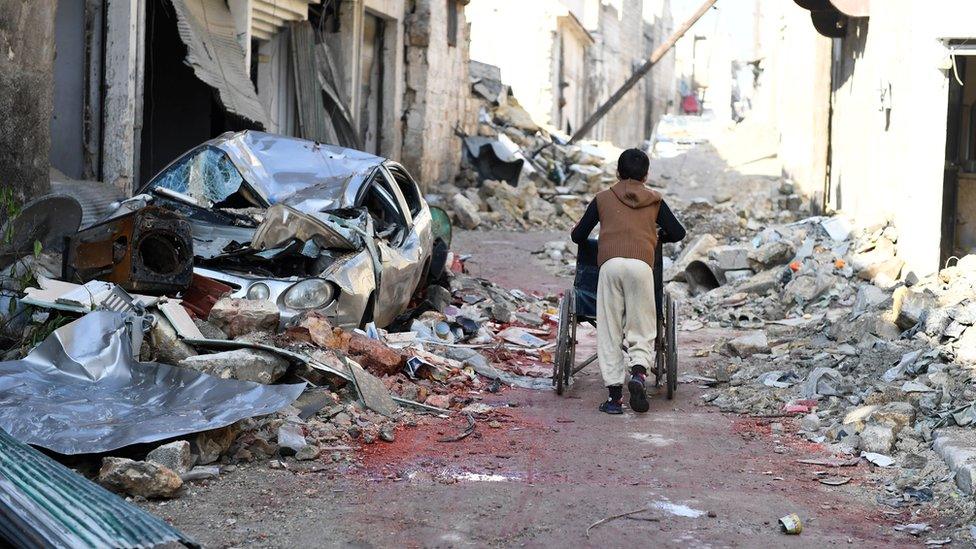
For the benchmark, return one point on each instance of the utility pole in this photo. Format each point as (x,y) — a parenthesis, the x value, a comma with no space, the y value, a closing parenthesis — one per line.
(656,56)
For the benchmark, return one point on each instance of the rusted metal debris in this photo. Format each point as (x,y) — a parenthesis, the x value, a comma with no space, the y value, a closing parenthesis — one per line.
(148,250)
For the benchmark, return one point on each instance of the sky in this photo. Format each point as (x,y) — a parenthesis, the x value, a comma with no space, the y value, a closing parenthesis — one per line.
(734,17)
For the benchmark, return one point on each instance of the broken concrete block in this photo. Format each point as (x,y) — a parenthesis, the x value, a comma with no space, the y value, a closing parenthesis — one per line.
(805,288)
(241,364)
(696,250)
(911,307)
(439,297)
(966,347)
(237,317)
(877,438)
(439,401)
(501,312)
(771,254)
(539,211)
(465,212)
(749,344)
(883,273)
(810,422)
(570,205)
(167,346)
(175,456)
(896,415)
(762,282)
(730,257)
(510,113)
(206,472)
(375,356)
(208,446)
(307,453)
(737,275)
(291,438)
(321,331)
(957,447)
(139,478)
(868,298)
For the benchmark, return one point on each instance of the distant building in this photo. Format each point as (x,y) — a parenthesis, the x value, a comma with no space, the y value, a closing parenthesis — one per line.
(563,59)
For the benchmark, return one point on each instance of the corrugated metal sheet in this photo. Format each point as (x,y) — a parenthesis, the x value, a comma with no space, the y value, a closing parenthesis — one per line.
(217,58)
(312,118)
(45,504)
(96,198)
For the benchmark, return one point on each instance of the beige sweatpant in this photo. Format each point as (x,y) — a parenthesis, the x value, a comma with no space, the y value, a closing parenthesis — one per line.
(626,318)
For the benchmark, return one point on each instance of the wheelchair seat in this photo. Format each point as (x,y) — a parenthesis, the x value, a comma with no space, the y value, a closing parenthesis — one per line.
(588,275)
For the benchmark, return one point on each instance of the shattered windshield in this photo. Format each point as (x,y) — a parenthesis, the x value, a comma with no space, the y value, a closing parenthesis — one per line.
(207,175)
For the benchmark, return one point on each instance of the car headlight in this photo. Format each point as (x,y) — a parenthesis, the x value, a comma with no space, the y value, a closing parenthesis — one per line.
(258,292)
(309,294)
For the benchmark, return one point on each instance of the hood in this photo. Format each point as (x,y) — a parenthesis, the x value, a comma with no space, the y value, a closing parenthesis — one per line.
(635,194)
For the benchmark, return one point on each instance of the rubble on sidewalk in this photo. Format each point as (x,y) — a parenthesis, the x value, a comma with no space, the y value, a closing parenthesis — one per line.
(876,356)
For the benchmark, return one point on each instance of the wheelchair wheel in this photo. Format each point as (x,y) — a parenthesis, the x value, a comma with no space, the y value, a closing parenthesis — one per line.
(671,354)
(660,349)
(562,364)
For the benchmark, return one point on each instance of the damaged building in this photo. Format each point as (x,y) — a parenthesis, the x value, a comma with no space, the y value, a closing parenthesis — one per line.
(907,157)
(136,84)
(573,54)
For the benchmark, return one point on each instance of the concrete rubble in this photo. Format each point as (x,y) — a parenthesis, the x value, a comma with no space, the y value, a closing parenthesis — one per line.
(462,338)
(867,358)
(534,177)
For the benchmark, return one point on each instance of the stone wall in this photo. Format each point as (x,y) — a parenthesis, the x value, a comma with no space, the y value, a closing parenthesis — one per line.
(26,84)
(436,95)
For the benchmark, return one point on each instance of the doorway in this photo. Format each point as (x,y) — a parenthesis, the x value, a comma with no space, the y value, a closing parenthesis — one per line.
(959,184)
(180,111)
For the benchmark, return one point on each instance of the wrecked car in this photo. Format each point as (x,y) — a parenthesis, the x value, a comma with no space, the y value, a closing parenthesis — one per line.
(302,224)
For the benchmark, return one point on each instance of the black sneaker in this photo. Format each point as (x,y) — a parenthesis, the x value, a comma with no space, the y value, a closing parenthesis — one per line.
(638,395)
(612,407)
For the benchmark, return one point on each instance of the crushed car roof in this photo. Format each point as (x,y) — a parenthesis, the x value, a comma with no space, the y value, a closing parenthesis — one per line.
(307,175)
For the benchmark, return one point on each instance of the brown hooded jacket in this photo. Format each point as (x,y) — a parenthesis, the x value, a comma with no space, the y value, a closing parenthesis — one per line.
(628,221)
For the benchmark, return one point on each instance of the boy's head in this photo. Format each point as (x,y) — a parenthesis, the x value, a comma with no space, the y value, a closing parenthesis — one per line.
(633,164)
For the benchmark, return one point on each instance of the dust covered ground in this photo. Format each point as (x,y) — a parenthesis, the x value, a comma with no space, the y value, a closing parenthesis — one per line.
(547,467)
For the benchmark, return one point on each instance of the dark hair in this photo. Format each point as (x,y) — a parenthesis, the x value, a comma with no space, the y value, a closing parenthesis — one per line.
(633,164)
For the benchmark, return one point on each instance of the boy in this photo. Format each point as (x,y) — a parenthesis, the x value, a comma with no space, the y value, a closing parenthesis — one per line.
(629,214)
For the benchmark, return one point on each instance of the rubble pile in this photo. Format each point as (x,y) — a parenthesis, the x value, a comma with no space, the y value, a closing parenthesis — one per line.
(362,385)
(218,330)
(515,174)
(731,220)
(873,360)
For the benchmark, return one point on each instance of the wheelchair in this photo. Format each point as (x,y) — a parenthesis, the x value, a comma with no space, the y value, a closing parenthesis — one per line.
(578,305)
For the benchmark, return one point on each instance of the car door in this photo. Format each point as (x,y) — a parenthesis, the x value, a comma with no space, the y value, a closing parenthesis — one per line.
(399,247)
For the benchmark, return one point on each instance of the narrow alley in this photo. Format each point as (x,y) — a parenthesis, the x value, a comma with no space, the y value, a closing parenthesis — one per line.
(487,273)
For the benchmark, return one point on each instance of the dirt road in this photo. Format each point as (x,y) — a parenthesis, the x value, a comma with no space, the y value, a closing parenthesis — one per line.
(551,467)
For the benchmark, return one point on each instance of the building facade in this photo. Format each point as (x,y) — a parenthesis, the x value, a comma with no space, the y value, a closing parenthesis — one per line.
(566,57)
(885,91)
(134,83)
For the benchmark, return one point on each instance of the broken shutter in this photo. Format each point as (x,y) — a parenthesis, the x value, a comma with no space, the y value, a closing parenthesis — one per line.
(312,118)
(217,58)
(322,114)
